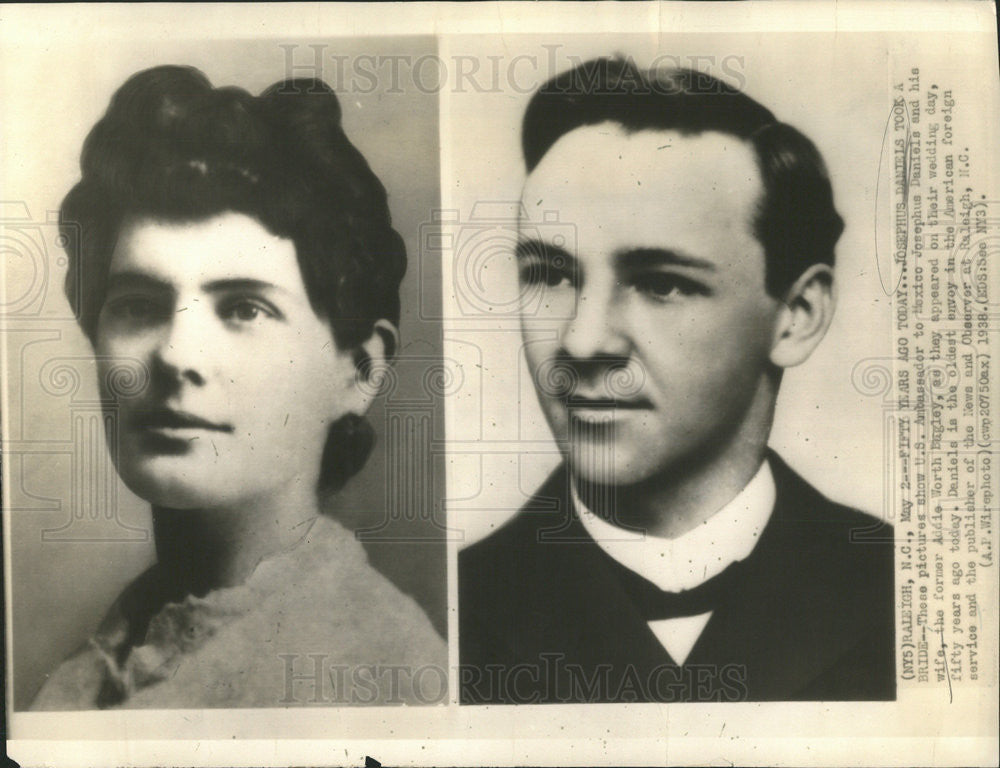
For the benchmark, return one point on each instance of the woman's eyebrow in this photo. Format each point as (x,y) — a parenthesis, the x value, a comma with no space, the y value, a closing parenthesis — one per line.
(646,257)
(131,280)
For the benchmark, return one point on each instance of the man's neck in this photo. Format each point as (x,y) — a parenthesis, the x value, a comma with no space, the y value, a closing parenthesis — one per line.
(671,504)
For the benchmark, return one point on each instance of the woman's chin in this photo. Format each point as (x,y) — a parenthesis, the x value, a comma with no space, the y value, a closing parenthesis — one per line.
(175,492)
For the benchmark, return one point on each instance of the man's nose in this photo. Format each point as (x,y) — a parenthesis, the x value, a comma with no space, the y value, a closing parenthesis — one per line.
(182,350)
(596,329)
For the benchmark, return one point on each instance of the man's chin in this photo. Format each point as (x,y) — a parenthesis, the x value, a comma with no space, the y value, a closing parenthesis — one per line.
(609,469)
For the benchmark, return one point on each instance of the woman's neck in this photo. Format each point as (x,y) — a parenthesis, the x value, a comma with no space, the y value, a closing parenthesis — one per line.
(199,550)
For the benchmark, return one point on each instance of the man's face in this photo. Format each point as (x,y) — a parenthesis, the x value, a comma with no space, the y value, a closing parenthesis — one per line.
(650,345)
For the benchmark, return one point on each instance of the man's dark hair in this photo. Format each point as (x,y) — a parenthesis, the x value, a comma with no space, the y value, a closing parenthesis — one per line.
(796,221)
(171,147)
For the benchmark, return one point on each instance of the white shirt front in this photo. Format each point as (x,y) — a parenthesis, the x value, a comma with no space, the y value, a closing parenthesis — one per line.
(682,563)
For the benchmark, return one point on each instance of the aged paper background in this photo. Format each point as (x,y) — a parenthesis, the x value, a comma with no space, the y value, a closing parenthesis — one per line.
(868,419)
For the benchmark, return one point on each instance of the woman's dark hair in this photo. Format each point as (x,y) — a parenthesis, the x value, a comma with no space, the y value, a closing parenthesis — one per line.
(796,221)
(172,147)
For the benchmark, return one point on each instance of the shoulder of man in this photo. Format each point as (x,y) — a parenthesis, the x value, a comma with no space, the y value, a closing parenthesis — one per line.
(829,550)
(548,508)
(798,502)
(836,568)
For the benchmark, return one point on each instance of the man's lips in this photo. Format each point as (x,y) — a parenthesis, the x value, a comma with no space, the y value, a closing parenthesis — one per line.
(167,419)
(578,402)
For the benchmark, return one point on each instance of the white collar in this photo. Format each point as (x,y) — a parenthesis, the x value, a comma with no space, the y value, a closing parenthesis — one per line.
(696,556)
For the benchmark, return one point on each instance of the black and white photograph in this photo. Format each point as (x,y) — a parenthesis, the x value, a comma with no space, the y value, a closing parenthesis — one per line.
(695,438)
(671,556)
(220,514)
(500,383)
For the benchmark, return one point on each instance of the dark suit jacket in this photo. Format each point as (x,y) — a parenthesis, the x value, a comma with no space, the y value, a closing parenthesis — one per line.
(547,616)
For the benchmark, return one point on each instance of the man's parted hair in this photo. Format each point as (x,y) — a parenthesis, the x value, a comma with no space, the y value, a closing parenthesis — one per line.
(796,221)
(173,148)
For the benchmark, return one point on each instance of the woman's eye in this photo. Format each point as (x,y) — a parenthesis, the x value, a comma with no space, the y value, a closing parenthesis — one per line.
(137,310)
(246,311)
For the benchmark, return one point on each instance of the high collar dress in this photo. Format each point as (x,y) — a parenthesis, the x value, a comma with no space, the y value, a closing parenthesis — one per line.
(313,625)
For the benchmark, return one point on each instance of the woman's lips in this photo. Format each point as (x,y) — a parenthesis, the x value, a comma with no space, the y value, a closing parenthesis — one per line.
(168,420)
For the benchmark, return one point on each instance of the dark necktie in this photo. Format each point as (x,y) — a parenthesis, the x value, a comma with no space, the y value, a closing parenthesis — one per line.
(655,604)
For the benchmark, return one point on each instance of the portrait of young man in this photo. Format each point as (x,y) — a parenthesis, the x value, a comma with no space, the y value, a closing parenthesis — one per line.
(672,556)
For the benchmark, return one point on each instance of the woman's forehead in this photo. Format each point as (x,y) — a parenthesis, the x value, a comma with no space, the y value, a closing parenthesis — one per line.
(228,246)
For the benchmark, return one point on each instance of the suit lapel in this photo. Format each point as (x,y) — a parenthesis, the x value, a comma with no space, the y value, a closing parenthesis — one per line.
(784,622)
(580,606)
(806,598)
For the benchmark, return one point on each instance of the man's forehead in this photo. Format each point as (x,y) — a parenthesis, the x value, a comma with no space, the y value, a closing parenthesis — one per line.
(619,191)
(608,162)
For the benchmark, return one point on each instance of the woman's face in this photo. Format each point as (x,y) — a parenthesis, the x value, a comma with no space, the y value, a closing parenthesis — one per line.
(241,378)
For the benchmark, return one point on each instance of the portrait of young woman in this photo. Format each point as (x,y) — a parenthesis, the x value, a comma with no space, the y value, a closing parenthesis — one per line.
(233,264)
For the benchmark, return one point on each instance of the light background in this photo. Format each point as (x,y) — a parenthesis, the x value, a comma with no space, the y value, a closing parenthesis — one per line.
(60,586)
(835,92)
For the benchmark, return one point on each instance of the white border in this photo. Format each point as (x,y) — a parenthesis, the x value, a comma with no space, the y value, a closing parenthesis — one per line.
(845,734)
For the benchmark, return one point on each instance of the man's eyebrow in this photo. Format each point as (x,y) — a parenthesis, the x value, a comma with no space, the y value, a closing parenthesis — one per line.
(241,284)
(533,247)
(644,257)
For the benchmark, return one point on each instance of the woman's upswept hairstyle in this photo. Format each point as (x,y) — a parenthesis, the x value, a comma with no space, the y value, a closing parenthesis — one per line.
(796,221)
(171,147)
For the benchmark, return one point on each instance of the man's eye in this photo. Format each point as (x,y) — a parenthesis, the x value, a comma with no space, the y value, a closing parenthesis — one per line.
(246,311)
(665,285)
(547,272)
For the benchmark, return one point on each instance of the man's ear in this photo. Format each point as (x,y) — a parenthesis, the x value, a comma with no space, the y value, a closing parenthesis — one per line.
(804,318)
(372,358)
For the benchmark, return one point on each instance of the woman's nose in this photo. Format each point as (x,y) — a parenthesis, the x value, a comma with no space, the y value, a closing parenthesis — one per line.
(183,347)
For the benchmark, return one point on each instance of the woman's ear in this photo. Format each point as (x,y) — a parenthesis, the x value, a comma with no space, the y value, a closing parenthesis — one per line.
(388,336)
(804,318)
(372,360)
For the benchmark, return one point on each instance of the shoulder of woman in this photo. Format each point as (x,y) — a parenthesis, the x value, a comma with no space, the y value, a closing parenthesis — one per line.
(74,684)
(340,604)
(77,681)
